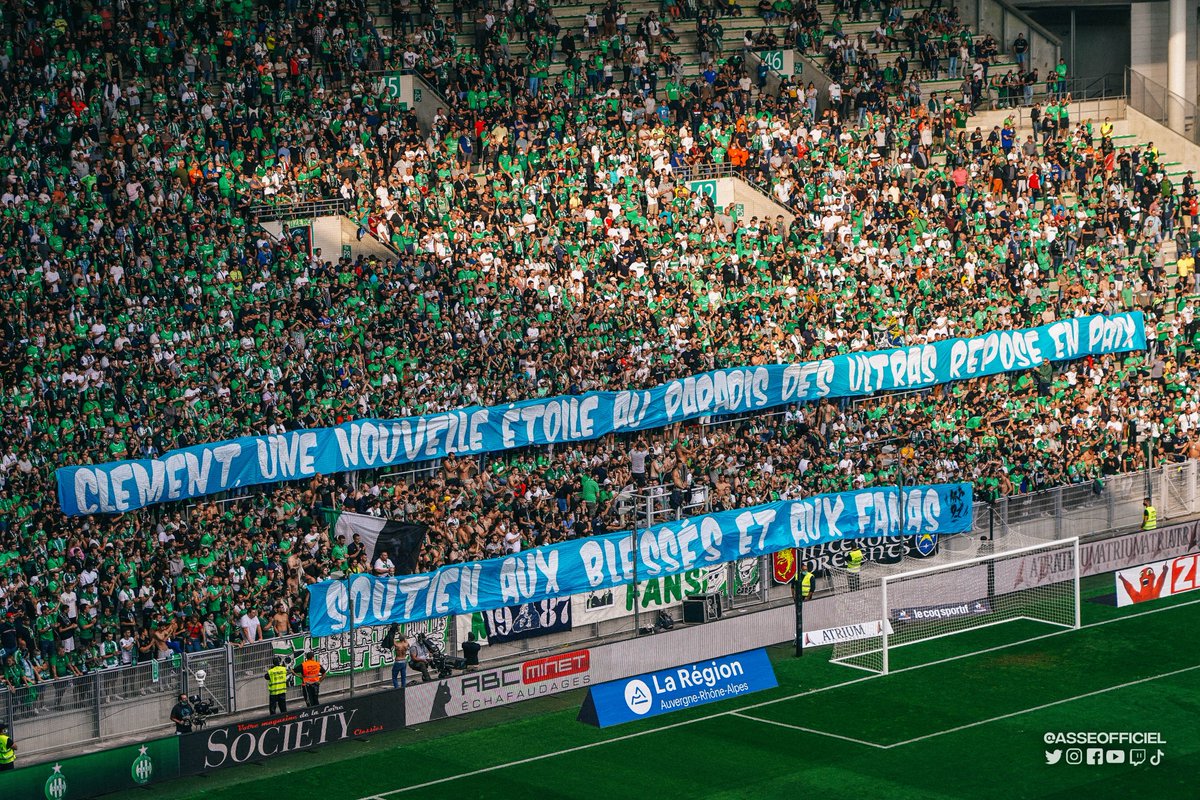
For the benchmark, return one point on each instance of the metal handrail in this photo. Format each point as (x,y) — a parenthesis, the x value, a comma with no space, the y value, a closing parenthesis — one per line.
(1143,89)
(269,212)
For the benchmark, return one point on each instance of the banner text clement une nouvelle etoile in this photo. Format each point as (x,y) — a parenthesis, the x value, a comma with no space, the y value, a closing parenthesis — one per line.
(367,444)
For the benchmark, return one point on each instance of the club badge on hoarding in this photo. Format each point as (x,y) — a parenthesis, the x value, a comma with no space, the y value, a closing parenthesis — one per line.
(56,784)
(142,769)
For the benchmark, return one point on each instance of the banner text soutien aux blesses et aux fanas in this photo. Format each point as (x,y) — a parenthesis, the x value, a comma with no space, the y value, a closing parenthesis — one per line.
(367,444)
(598,562)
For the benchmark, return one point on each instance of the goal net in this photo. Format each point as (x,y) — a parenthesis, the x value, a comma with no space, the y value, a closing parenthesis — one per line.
(1038,583)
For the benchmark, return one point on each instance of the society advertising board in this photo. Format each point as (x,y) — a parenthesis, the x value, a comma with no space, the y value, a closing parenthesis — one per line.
(677,688)
(302,729)
(209,468)
(1158,579)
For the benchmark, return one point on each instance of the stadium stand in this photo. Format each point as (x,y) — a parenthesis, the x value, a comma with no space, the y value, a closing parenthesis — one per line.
(544,242)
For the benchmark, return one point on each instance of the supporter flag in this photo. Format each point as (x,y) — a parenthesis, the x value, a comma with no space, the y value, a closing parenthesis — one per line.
(784,563)
(401,539)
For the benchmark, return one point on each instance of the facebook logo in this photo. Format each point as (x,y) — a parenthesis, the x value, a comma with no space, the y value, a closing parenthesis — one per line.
(1095,755)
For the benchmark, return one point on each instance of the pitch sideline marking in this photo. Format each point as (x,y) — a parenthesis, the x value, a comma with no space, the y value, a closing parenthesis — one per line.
(1125,685)
(626,737)
(590,745)
(811,730)
(977,723)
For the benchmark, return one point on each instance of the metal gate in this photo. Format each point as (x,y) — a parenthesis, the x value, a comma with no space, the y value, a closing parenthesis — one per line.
(208,674)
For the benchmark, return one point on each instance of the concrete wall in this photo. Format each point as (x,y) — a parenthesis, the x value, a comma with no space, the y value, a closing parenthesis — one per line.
(1177,147)
(330,233)
(725,191)
(1148,28)
(756,204)
(426,102)
(1004,22)
(1100,46)
(347,233)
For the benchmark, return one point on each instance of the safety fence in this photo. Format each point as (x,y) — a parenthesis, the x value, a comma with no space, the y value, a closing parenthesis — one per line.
(118,704)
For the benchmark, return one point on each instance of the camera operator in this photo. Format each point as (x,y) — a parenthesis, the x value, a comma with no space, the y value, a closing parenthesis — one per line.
(181,715)
(470,650)
(420,657)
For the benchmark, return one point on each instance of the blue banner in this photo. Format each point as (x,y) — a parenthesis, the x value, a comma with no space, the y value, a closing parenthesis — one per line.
(677,688)
(527,620)
(597,562)
(367,444)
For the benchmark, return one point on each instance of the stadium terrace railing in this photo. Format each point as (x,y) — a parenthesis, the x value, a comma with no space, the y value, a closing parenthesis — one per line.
(133,702)
(1163,106)
(269,212)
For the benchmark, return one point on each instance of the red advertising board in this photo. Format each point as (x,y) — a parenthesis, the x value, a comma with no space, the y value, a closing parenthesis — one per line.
(1158,579)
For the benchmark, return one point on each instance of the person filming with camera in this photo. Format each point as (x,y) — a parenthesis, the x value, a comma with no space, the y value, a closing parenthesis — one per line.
(420,657)
(181,714)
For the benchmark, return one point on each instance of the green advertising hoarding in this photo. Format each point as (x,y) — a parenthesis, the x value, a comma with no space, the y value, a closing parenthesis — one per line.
(94,774)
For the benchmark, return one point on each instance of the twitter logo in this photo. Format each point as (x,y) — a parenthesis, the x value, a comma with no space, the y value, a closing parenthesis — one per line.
(1053,756)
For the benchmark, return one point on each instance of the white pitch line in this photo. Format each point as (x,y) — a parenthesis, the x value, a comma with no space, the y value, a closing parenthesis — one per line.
(590,745)
(494,768)
(1042,707)
(810,730)
(543,756)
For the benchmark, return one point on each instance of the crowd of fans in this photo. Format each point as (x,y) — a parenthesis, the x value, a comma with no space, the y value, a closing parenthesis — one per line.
(545,243)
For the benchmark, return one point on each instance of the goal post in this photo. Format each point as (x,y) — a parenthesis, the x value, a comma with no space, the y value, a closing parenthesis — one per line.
(1036,584)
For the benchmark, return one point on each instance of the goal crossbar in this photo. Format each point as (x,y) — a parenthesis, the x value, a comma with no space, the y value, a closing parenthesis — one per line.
(1002,554)
(1050,597)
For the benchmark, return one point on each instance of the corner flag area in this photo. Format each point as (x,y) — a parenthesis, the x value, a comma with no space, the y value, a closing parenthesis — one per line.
(1109,710)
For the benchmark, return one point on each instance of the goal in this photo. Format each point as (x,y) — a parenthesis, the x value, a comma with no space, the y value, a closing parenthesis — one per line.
(1038,584)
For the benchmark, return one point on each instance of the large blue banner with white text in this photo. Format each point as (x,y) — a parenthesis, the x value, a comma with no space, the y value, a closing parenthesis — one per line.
(598,562)
(367,444)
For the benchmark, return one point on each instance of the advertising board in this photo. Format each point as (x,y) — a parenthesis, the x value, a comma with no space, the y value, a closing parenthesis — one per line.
(677,688)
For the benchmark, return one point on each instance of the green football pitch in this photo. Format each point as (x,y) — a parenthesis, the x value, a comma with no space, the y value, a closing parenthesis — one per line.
(964,716)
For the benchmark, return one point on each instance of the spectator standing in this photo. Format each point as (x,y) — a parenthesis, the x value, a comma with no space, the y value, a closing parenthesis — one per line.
(251,626)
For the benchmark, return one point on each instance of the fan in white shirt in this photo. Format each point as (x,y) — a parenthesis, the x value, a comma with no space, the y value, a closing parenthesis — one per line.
(384,565)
